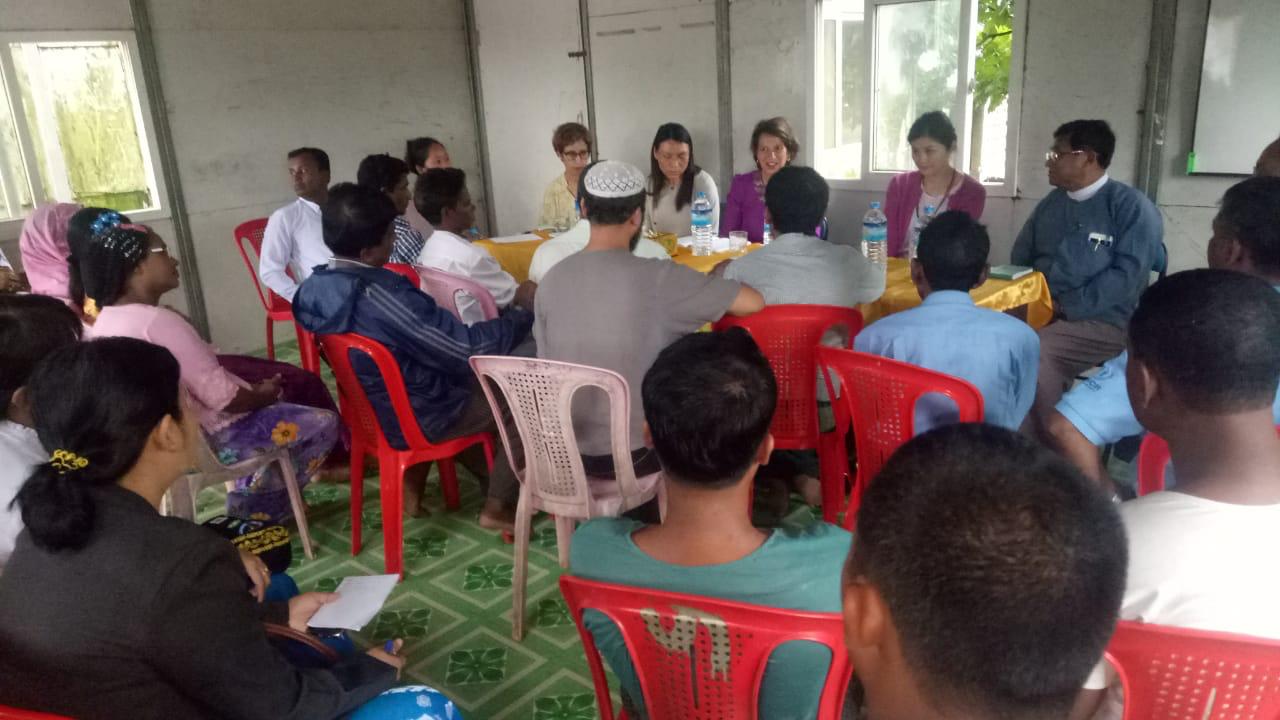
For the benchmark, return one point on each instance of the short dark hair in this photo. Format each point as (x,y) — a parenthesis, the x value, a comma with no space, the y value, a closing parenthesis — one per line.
(99,400)
(797,198)
(1002,566)
(356,217)
(381,172)
(779,128)
(953,251)
(709,399)
(1214,335)
(437,189)
(31,327)
(416,151)
(605,211)
(935,125)
(320,157)
(80,230)
(1251,212)
(1092,135)
(569,133)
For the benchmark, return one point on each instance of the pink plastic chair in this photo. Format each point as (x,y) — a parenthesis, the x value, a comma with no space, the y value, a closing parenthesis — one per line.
(878,398)
(711,660)
(444,288)
(540,395)
(1178,674)
(789,336)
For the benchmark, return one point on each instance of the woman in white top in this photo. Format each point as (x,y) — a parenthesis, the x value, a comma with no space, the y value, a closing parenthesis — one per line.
(674,181)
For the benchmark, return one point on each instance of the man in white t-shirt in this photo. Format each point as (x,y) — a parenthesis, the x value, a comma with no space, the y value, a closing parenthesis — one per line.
(293,242)
(31,327)
(441,196)
(1203,368)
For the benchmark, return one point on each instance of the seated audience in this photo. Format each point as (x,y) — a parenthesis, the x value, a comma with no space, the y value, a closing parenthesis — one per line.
(1097,241)
(799,267)
(292,243)
(421,154)
(708,402)
(575,239)
(997,353)
(143,616)
(934,183)
(1096,412)
(44,248)
(984,582)
(607,308)
(126,270)
(773,146)
(572,143)
(31,326)
(441,196)
(355,294)
(1202,374)
(674,182)
(391,176)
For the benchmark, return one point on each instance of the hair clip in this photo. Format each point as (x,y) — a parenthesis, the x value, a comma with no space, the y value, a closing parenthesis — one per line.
(65,461)
(106,221)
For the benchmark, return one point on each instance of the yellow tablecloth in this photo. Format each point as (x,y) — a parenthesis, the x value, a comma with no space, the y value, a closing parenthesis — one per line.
(516,257)
(1030,290)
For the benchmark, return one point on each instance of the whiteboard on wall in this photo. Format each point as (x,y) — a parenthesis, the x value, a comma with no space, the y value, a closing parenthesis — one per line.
(1238,112)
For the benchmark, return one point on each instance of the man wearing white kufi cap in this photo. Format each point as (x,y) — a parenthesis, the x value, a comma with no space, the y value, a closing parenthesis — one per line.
(606,308)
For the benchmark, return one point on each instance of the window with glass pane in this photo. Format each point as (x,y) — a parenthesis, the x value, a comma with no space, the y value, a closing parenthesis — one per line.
(81,118)
(916,70)
(842,90)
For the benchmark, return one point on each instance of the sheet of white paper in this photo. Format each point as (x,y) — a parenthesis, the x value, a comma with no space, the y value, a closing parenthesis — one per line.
(360,598)
(720,244)
(524,237)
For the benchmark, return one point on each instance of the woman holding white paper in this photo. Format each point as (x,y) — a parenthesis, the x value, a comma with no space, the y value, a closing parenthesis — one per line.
(112,611)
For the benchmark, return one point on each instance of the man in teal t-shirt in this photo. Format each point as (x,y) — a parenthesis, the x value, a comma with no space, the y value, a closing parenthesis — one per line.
(708,401)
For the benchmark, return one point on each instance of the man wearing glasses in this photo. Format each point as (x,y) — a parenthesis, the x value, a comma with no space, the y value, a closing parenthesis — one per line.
(1097,241)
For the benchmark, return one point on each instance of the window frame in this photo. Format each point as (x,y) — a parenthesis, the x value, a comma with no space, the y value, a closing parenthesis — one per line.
(960,112)
(10,228)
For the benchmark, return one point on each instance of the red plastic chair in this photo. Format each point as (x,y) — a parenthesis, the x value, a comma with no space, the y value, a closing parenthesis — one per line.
(788,335)
(408,271)
(878,397)
(1178,674)
(367,437)
(12,713)
(1153,460)
(277,308)
(711,658)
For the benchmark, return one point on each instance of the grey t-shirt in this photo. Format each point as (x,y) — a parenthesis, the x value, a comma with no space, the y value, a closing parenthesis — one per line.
(613,310)
(798,269)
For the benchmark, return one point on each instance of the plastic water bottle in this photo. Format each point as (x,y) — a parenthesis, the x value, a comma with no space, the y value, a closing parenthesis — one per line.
(875,236)
(929,212)
(700,220)
(768,234)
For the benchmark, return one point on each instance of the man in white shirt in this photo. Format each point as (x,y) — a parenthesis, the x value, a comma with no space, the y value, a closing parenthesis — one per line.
(575,239)
(31,327)
(293,243)
(441,196)
(1202,373)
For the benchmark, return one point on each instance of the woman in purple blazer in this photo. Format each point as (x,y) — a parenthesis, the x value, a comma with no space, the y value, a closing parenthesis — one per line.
(934,183)
(774,146)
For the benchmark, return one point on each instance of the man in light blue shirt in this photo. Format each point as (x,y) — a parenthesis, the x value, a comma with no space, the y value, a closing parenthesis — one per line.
(997,353)
(1246,237)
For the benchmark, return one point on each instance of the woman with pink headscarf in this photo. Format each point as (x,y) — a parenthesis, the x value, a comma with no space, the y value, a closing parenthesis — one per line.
(44,249)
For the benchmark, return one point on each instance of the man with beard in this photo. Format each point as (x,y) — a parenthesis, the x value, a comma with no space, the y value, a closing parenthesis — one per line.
(607,308)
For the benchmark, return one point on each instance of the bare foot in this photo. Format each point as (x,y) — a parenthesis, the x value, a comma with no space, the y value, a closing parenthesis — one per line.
(809,487)
(497,516)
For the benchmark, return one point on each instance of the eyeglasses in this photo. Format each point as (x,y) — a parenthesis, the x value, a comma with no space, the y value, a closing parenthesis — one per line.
(1053,155)
(579,155)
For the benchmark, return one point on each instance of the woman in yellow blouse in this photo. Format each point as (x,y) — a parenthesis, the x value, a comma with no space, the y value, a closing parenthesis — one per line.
(572,143)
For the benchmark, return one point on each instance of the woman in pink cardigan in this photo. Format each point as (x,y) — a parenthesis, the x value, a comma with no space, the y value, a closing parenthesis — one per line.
(934,183)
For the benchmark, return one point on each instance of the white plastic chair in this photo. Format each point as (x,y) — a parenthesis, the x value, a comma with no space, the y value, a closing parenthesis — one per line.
(180,499)
(540,394)
(445,287)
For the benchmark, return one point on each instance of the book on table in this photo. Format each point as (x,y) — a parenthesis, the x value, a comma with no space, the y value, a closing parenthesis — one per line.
(1009,272)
